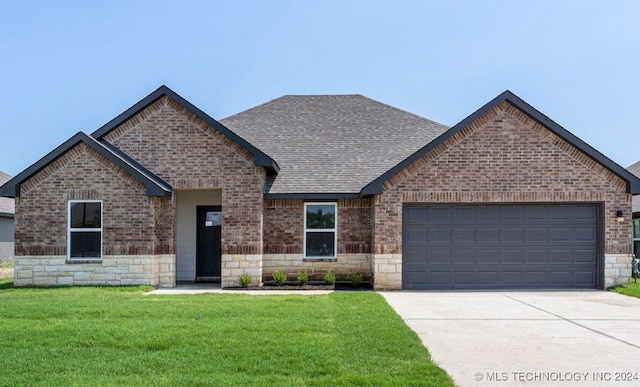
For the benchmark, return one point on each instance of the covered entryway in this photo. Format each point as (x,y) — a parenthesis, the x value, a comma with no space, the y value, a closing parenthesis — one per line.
(515,246)
(198,235)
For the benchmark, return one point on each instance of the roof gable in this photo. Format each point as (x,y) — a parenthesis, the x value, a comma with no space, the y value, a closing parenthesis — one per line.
(260,158)
(155,186)
(633,183)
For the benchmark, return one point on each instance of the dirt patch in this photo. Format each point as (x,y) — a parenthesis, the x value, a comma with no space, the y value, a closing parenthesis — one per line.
(6,272)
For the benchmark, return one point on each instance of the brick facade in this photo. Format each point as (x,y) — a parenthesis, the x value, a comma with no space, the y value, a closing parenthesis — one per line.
(502,157)
(175,145)
(189,154)
(284,239)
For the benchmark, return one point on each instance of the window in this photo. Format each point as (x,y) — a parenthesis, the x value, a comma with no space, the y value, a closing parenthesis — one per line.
(636,237)
(320,236)
(84,237)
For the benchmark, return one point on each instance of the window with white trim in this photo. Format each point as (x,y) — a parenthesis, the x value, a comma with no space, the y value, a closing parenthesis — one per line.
(320,230)
(84,225)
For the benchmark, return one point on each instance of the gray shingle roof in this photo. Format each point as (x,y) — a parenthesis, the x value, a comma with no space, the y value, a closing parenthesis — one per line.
(331,143)
(7,206)
(635,169)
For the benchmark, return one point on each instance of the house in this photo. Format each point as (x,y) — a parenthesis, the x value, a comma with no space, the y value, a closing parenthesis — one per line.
(6,223)
(635,169)
(505,199)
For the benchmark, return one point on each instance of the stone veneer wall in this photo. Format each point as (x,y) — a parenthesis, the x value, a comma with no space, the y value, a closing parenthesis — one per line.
(234,265)
(343,266)
(502,157)
(155,270)
(617,269)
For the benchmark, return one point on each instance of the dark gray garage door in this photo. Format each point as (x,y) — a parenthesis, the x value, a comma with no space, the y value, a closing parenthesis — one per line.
(500,246)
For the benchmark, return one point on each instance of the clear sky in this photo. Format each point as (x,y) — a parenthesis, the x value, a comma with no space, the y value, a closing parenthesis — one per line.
(69,66)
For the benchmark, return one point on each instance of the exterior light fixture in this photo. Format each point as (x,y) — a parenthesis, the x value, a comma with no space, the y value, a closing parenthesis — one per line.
(620,216)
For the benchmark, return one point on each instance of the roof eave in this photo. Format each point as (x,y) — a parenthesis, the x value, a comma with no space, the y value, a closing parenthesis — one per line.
(154,186)
(315,196)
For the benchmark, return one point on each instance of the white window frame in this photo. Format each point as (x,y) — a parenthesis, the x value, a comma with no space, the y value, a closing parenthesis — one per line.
(71,230)
(334,230)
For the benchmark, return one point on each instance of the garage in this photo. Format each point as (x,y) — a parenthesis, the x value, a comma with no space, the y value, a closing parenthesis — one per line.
(515,246)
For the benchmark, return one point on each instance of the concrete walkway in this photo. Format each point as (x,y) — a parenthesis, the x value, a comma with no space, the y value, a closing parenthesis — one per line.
(201,288)
(589,338)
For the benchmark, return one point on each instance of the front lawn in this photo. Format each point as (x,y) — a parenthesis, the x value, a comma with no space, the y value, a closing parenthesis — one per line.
(630,290)
(118,336)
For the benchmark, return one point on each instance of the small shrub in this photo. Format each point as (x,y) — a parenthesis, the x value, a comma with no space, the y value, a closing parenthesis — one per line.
(330,278)
(303,277)
(244,279)
(356,279)
(280,276)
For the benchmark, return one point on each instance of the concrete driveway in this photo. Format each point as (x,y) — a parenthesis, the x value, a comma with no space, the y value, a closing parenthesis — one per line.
(571,338)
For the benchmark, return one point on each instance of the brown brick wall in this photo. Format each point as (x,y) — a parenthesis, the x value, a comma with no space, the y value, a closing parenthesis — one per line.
(284,226)
(188,154)
(504,156)
(82,173)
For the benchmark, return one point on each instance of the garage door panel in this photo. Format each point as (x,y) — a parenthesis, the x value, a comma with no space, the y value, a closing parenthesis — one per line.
(462,214)
(487,257)
(561,256)
(537,235)
(511,278)
(585,256)
(488,235)
(513,235)
(500,246)
(439,256)
(535,278)
(487,278)
(418,216)
(464,278)
(439,214)
(417,233)
(510,257)
(585,278)
(560,235)
(463,235)
(462,257)
(585,235)
(440,278)
(439,234)
(537,257)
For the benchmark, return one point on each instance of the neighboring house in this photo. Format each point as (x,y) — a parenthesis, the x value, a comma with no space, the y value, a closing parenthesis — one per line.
(635,169)
(163,193)
(6,223)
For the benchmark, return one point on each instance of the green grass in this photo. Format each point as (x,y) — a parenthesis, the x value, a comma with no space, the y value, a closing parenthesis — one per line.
(630,290)
(119,336)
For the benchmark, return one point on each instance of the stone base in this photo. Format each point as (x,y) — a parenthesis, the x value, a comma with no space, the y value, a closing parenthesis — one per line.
(342,266)
(617,269)
(235,265)
(154,270)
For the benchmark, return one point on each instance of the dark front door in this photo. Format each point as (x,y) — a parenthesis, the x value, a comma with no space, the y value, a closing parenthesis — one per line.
(209,243)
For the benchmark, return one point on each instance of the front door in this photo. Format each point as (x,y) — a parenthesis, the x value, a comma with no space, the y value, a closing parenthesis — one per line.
(209,243)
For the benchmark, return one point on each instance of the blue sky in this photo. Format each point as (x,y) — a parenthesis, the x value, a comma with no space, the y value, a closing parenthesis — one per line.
(70,66)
